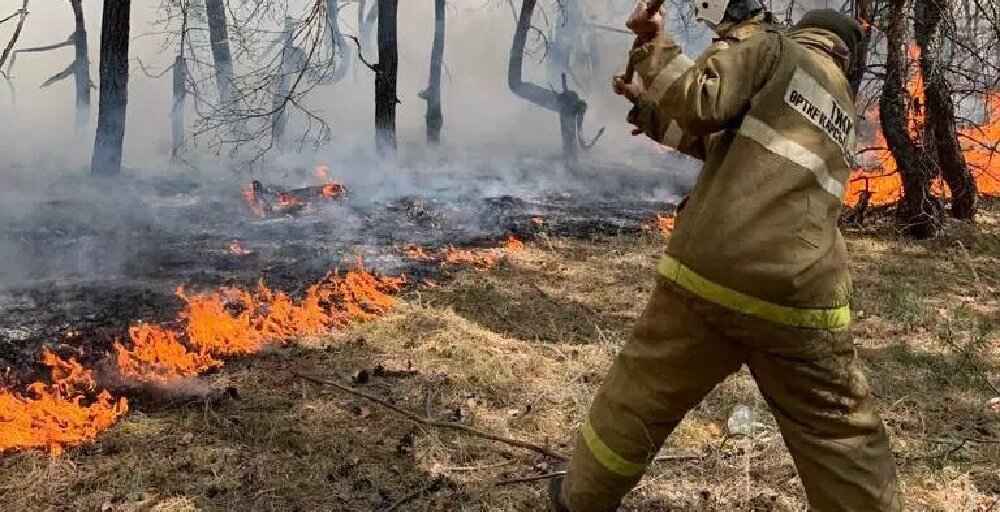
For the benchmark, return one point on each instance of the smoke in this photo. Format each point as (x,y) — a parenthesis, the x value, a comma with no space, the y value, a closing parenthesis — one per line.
(494,144)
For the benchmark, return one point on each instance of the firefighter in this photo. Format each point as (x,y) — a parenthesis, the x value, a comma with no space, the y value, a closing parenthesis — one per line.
(755,273)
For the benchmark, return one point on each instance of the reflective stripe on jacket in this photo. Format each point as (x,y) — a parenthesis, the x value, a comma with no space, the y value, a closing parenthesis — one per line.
(761,223)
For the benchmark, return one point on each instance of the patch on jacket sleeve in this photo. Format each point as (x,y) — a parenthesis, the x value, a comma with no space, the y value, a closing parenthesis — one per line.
(812,100)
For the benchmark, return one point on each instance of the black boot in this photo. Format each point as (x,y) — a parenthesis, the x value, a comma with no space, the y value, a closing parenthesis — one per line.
(555,495)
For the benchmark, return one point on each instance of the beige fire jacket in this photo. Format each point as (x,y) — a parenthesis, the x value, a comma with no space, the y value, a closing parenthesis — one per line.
(759,232)
(659,63)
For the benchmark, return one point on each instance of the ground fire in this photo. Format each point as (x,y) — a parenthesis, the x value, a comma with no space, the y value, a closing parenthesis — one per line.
(224,323)
(66,411)
(479,259)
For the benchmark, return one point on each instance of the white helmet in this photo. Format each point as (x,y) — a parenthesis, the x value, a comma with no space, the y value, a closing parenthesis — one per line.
(715,12)
(710,11)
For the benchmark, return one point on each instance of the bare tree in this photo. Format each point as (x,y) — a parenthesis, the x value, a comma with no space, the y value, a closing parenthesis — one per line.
(79,68)
(567,104)
(432,94)
(107,158)
(385,78)
(919,211)
(340,56)
(941,133)
(218,31)
(180,80)
(21,14)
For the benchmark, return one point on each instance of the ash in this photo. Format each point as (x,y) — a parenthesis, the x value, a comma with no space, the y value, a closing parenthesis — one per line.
(91,258)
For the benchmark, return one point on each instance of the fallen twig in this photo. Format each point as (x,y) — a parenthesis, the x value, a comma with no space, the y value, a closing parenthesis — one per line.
(432,423)
(434,486)
(536,478)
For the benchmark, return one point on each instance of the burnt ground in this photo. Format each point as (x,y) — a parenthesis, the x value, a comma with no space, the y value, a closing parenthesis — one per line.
(89,258)
(520,351)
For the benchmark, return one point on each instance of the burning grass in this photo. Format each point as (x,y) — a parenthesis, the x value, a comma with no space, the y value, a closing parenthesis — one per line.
(65,411)
(223,323)
(520,351)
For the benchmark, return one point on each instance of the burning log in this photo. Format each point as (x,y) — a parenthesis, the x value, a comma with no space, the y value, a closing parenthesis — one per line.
(264,200)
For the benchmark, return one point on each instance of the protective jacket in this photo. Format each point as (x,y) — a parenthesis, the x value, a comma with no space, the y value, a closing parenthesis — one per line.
(659,65)
(759,233)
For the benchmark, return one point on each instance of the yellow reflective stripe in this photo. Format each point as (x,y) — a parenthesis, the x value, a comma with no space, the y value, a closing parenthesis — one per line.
(606,456)
(833,318)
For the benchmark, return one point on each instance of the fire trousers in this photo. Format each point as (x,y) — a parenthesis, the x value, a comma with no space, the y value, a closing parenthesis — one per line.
(682,347)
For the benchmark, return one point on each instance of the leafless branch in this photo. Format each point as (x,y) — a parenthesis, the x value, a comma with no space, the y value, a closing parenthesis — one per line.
(433,423)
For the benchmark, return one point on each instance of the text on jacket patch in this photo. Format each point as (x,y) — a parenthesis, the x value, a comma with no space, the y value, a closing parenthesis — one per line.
(810,99)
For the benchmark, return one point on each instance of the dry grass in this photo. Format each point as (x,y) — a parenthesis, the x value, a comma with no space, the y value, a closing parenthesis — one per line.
(519,351)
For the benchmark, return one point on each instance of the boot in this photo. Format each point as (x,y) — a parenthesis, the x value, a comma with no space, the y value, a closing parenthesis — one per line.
(555,495)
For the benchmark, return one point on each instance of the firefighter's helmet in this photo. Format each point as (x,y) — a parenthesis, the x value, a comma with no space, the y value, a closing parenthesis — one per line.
(715,12)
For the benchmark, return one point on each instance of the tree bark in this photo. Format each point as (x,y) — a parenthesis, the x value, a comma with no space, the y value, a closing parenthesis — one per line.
(81,66)
(864,11)
(567,104)
(435,117)
(385,79)
(340,55)
(218,32)
(23,13)
(177,110)
(919,212)
(107,158)
(940,110)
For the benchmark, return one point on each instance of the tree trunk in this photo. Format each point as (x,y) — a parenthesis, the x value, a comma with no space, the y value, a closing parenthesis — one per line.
(177,110)
(385,79)
(81,66)
(107,158)
(940,111)
(279,116)
(218,33)
(864,11)
(366,19)
(340,56)
(568,103)
(435,118)
(919,212)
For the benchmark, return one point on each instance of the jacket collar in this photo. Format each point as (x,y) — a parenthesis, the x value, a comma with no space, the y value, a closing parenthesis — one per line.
(825,42)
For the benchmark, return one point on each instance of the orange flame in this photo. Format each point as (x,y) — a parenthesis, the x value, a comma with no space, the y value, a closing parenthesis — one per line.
(512,244)
(158,357)
(880,176)
(333,190)
(662,224)
(250,197)
(53,416)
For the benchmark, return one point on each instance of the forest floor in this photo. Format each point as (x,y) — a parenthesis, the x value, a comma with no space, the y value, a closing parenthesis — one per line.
(520,350)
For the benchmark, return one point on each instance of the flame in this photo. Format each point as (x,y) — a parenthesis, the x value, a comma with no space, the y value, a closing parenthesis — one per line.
(157,356)
(224,322)
(417,253)
(237,248)
(250,197)
(879,176)
(512,244)
(52,416)
(483,259)
(479,259)
(662,224)
(333,190)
